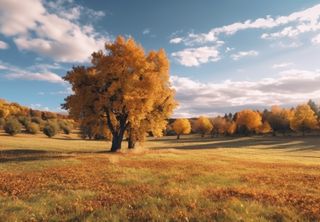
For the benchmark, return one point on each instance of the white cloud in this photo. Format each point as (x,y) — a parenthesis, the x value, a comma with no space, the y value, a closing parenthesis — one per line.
(38,106)
(47,31)
(48,77)
(282,65)
(241,54)
(289,87)
(42,74)
(3,67)
(196,56)
(228,49)
(146,32)
(176,40)
(3,45)
(300,22)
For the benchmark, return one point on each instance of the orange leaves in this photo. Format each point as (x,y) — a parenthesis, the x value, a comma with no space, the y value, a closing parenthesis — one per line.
(304,119)
(249,119)
(203,125)
(124,88)
(181,126)
(307,205)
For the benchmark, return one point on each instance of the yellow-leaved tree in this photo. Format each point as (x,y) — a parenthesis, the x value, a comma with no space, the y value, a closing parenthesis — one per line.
(125,88)
(264,128)
(181,126)
(248,120)
(219,126)
(231,127)
(203,125)
(304,119)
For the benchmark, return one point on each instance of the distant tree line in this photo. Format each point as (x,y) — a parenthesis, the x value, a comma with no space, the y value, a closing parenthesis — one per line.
(276,121)
(15,119)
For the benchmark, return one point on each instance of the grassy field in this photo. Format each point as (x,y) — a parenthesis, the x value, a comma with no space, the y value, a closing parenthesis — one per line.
(194,179)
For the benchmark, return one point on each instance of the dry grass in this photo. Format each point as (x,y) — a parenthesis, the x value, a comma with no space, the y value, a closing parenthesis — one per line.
(222,179)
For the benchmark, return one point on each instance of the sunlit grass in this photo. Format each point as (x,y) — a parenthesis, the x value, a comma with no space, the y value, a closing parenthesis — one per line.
(220,179)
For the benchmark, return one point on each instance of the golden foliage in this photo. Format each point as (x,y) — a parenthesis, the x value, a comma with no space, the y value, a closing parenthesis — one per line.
(219,125)
(231,127)
(125,87)
(264,128)
(304,119)
(181,126)
(203,125)
(249,119)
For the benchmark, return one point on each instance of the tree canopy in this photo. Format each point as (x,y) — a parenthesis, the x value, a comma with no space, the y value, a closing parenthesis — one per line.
(181,126)
(125,89)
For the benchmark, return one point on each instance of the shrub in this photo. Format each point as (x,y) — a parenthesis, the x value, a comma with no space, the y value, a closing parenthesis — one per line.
(51,129)
(24,121)
(37,120)
(33,128)
(65,127)
(12,127)
(2,123)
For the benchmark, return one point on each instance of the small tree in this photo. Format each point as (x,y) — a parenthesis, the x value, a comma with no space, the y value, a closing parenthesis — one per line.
(231,128)
(219,125)
(181,126)
(65,127)
(248,120)
(314,107)
(12,127)
(51,129)
(304,119)
(33,128)
(24,121)
(203,126)
(279,119)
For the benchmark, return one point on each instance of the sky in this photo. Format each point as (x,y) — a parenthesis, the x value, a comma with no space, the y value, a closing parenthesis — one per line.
(224,55)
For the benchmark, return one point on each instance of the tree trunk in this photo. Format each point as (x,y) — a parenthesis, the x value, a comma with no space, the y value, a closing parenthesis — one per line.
(178,136)
(131,143)
(131,140)
(116,141)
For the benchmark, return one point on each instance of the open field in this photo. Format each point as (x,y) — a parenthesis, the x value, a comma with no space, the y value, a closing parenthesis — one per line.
(220,179)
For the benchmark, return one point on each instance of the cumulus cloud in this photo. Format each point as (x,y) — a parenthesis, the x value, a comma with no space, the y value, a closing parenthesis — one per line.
(289,87)
(3,45)
(299,22)
(49,30)
(196,56)
(241,54)
(176,40)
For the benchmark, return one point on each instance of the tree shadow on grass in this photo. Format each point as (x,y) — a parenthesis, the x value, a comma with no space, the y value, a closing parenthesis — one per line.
(20,155)
(256,142)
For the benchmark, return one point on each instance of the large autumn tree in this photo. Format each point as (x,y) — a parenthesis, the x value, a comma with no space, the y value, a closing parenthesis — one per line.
(124,88)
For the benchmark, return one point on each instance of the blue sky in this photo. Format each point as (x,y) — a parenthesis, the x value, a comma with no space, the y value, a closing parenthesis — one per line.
(224,55)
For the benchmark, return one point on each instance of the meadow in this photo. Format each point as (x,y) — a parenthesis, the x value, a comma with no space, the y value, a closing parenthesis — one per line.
(65,178)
